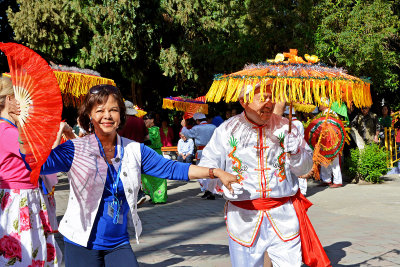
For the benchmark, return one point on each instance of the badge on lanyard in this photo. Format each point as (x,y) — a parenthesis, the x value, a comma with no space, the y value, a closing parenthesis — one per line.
(114,211)
(114,207)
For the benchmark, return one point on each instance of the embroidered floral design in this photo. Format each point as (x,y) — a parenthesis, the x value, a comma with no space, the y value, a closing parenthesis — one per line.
(37,263)
(10,248)
(23,202)
(16,191)
(281,160)
(51,252)
(24,219)
(15,224)
(45,221)
(43,205)
(236,162)
(5,201)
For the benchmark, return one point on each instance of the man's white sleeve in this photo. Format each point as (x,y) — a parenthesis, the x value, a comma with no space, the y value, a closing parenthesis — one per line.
(301,163)
(213,155)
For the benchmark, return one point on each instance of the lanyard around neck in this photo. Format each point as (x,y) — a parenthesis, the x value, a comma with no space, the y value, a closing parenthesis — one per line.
(8,121)
(115,180)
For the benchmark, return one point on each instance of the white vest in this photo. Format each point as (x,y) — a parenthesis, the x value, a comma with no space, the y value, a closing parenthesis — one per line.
(87,177)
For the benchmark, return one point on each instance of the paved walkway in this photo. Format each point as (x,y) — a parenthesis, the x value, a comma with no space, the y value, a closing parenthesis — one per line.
(358,225)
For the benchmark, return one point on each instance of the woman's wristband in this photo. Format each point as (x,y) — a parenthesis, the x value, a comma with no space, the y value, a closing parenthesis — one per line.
(211,173)
(19,141)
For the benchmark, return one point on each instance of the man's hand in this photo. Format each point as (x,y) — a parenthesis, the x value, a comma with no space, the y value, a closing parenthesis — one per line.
(291,143)
(183,123)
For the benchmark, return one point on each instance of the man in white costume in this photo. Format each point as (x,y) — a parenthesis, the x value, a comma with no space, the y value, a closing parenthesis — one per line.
(266,213)
(201,133)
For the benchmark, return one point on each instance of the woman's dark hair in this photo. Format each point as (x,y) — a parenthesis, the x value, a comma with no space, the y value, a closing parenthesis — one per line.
(388,108)
(149,116)
(99,95)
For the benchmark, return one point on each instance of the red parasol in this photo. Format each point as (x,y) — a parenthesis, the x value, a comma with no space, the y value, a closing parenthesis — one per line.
(188,105)
(38,93)
(75,83)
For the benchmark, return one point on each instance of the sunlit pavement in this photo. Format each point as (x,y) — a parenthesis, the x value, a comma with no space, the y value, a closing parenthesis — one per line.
(358,225)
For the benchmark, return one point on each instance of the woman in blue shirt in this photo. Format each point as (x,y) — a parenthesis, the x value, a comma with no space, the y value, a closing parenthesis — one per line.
(104,174)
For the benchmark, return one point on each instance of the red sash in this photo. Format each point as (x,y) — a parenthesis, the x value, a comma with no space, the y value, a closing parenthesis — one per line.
(261,203)
(312,251)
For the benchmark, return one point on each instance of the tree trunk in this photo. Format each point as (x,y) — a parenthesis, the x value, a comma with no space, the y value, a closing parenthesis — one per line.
(133,91)
(136,90)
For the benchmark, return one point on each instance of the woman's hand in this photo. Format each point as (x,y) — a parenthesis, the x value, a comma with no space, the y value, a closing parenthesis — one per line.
(197,172)
(226,178)
(67,131)
(14,111)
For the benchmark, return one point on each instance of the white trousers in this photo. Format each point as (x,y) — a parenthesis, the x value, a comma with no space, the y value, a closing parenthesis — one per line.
(303,186)
(332,169)
(281,253)
(202,182)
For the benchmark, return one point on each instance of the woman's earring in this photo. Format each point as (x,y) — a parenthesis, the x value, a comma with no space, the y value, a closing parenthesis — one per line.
(90,125)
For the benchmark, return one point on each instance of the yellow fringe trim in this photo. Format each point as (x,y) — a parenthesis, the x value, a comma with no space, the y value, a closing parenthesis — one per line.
(78,84)
(184,106)
(140,113)
(307,108)
(309,91)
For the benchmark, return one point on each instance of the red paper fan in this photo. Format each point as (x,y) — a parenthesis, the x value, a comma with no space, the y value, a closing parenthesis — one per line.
(37,90)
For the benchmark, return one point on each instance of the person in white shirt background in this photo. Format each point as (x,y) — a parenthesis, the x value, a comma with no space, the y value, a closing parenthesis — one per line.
(185,149)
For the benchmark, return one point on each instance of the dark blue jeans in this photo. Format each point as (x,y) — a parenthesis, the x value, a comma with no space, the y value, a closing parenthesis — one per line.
(189,159)
(76,256)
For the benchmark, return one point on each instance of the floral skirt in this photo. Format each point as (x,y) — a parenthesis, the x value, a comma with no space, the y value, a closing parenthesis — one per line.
(26,231)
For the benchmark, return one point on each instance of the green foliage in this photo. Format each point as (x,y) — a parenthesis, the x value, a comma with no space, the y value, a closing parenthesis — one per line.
(369,164)
(50,26)
(360,36)
(205,37)
(174,47)
(124,33)
(351,163)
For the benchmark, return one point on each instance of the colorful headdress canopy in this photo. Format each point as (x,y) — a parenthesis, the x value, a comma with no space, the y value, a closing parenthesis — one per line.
(186,104)
(140,112)
(75,83)
(292,80)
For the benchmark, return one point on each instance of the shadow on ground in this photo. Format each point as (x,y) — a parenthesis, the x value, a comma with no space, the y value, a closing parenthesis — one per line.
(167,262)
(199,250)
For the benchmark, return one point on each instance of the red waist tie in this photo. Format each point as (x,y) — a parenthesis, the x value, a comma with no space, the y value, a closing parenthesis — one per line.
(312,251)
